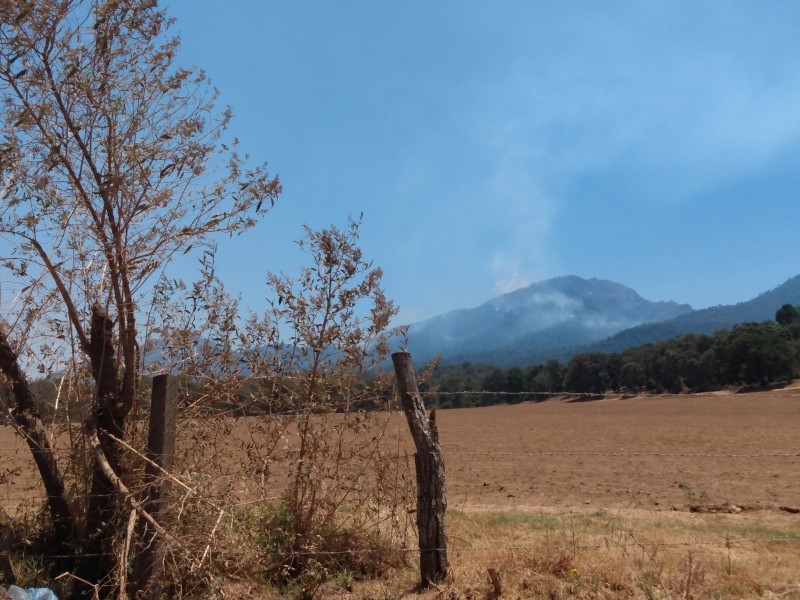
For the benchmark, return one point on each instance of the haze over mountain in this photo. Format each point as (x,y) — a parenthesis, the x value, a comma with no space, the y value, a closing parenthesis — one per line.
(546,315)
(561,317)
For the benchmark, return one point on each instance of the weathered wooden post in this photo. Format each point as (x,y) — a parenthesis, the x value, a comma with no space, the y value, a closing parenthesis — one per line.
(429,462)
(161,451)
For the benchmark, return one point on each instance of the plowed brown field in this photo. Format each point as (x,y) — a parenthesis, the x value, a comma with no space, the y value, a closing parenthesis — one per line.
(655,453)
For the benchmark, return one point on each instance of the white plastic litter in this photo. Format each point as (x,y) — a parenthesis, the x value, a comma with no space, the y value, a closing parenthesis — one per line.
(41,594)
(17,593)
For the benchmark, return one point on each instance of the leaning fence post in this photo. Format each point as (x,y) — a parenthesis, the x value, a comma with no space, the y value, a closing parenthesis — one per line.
(429,462)
(161,451)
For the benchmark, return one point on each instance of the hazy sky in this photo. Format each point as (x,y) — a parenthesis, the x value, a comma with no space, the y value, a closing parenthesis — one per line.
(494,144)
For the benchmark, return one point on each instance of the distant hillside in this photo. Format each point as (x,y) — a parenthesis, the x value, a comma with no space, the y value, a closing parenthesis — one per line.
(535,321)
(707,321)
(561,317)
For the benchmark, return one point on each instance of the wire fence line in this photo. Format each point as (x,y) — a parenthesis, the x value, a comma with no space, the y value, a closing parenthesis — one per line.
(390,402)
(724,543)
(187,477)
(608,542)
(552,394)
(611,454)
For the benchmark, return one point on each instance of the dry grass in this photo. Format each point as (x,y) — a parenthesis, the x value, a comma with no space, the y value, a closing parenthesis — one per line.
(611,555)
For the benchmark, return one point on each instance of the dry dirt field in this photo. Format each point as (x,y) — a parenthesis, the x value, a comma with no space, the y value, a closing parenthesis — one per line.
(656,453)
(619,473)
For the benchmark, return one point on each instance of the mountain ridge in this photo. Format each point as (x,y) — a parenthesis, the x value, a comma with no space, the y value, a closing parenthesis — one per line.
(624,327)
(539,317)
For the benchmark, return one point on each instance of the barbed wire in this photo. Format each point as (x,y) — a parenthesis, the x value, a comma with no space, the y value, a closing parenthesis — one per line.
(644,395)
(608,544)
(320,408)
(629,454)
(233,477)
(567,454)
(451,453)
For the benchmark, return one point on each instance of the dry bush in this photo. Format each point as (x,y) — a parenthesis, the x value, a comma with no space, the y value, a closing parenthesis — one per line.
(115,159)
(285,467)
(285,472)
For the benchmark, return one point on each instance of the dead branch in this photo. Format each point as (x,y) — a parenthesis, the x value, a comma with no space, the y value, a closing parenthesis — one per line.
(116,482)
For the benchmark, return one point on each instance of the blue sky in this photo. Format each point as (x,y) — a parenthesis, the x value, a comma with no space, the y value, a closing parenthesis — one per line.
(494,144)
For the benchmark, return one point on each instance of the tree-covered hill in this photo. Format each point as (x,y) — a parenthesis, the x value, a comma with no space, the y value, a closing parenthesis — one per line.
(705,321)
(749,354)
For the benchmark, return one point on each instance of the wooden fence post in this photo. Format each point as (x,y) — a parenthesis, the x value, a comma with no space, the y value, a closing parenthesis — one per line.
(429,462)
(149,563)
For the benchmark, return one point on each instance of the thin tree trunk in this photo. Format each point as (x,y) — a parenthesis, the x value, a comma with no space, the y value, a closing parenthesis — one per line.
(109,416)
(29,422)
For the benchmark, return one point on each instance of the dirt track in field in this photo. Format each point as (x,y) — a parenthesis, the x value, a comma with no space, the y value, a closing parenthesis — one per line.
(612,453)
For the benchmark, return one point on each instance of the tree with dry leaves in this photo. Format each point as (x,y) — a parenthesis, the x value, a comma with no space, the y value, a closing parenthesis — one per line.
(338,317)
(113,160)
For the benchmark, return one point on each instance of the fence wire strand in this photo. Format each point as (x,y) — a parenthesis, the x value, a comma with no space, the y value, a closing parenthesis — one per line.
(390,404)
(607,545)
